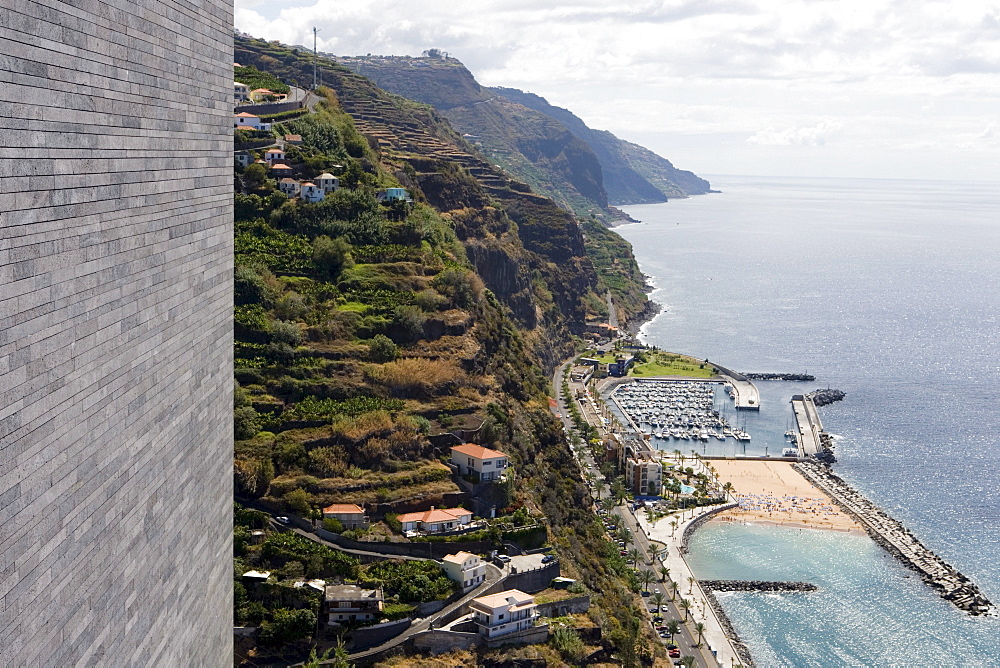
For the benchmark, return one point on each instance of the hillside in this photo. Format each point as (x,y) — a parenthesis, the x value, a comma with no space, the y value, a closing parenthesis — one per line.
(373,334)
(550,148)
(530,145)
(632,174)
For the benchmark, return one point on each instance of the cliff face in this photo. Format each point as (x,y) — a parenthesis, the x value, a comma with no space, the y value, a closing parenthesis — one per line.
(533,146)
(582,169)
(632,174)
(527,249)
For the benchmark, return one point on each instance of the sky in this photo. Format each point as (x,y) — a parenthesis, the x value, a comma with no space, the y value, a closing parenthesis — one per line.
(824,88)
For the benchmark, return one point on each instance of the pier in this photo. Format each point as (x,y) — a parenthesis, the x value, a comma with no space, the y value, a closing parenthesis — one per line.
(808,425)
(898,541)
(745,393)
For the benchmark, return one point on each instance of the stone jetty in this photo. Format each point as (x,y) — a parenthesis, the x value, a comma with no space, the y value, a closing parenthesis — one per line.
(898,541)
(756,585)
(827,396)
(779,376)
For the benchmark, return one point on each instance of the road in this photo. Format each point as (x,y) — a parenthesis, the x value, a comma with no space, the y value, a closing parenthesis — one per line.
(686,640)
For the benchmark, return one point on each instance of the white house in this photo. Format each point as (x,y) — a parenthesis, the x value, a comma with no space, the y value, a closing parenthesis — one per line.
(351,515)
(240,91)
(504,612)
(394,195)
(436,521)
(482,463)
(311,192)
(328,182)
(247,121)
(348,603)
(243,159)
(465,568)
(289,186)
(273,155)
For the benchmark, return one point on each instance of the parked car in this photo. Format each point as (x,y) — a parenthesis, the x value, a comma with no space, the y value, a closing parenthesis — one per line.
(548,557)
(282,519)
(674,653)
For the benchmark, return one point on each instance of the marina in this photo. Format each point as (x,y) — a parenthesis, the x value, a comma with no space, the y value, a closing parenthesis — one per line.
(680,410)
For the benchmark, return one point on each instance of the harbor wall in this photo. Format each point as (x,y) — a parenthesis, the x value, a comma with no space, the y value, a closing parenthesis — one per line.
(116,269)
(952,585)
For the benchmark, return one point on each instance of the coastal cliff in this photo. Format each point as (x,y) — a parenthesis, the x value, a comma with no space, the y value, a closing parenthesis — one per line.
(582,169)
(373,334)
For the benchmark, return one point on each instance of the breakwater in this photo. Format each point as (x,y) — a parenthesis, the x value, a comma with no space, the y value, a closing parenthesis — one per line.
(779,376)
(756,585)
(827,396)
(952,585)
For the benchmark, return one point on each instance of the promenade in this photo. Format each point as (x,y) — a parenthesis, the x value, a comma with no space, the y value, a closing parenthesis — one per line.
(715,649)
(808,424)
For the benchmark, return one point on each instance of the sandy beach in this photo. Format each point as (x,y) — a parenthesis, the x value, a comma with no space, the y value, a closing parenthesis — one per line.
(774,493)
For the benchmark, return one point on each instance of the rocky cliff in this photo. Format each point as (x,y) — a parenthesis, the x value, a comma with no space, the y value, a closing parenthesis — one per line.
(632,174)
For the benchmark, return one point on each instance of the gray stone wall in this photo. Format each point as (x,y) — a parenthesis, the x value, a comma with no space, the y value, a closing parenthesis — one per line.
(115,333)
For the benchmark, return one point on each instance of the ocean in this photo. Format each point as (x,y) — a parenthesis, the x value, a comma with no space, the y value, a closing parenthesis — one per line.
(890,291)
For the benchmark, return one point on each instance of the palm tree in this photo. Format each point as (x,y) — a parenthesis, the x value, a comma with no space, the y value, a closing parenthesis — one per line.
(728,488)
(664,573)
(674,586)
(673,628)
(673,527)
(633,556)
(686,607)
(657,599)
(700,628)
(687,661)
(646,577)
(690,585)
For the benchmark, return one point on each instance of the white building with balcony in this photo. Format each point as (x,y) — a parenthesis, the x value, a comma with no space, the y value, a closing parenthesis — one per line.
(503,613)
(481,463)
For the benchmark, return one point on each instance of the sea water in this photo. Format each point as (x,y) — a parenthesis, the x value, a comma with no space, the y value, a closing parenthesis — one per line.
(889,291)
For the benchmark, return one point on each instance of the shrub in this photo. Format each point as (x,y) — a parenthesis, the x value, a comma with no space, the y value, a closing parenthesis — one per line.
(246,422)
(567,642)
(333,525)
(382,349)
(331,255)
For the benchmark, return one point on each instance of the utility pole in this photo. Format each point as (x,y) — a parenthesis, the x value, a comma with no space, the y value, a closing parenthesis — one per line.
(315,58)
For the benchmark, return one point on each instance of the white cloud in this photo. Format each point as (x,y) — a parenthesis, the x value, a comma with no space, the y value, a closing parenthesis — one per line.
(814,136)
(896,74)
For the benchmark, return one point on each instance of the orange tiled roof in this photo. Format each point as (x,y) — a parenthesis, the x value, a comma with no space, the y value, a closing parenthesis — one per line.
(435,515)
(344,509)
(477,451)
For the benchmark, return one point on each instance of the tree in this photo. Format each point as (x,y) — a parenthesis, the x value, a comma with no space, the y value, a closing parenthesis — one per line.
(255,176)
(657,599)
(700,628)
(690,585)
(673,527)
(686,607)
(687,661)
(664,573)
(674,587)
(298,500)
(246,423)
(331,256)
(288,626)
(647,577)
(673,628)
(633,557)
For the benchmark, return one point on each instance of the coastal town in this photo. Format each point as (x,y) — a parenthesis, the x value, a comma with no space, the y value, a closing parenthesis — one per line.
(474,568)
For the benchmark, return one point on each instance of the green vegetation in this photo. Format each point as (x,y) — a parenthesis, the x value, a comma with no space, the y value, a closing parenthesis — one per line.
(409,581)
(255,79)
(670,364)
(363,330)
